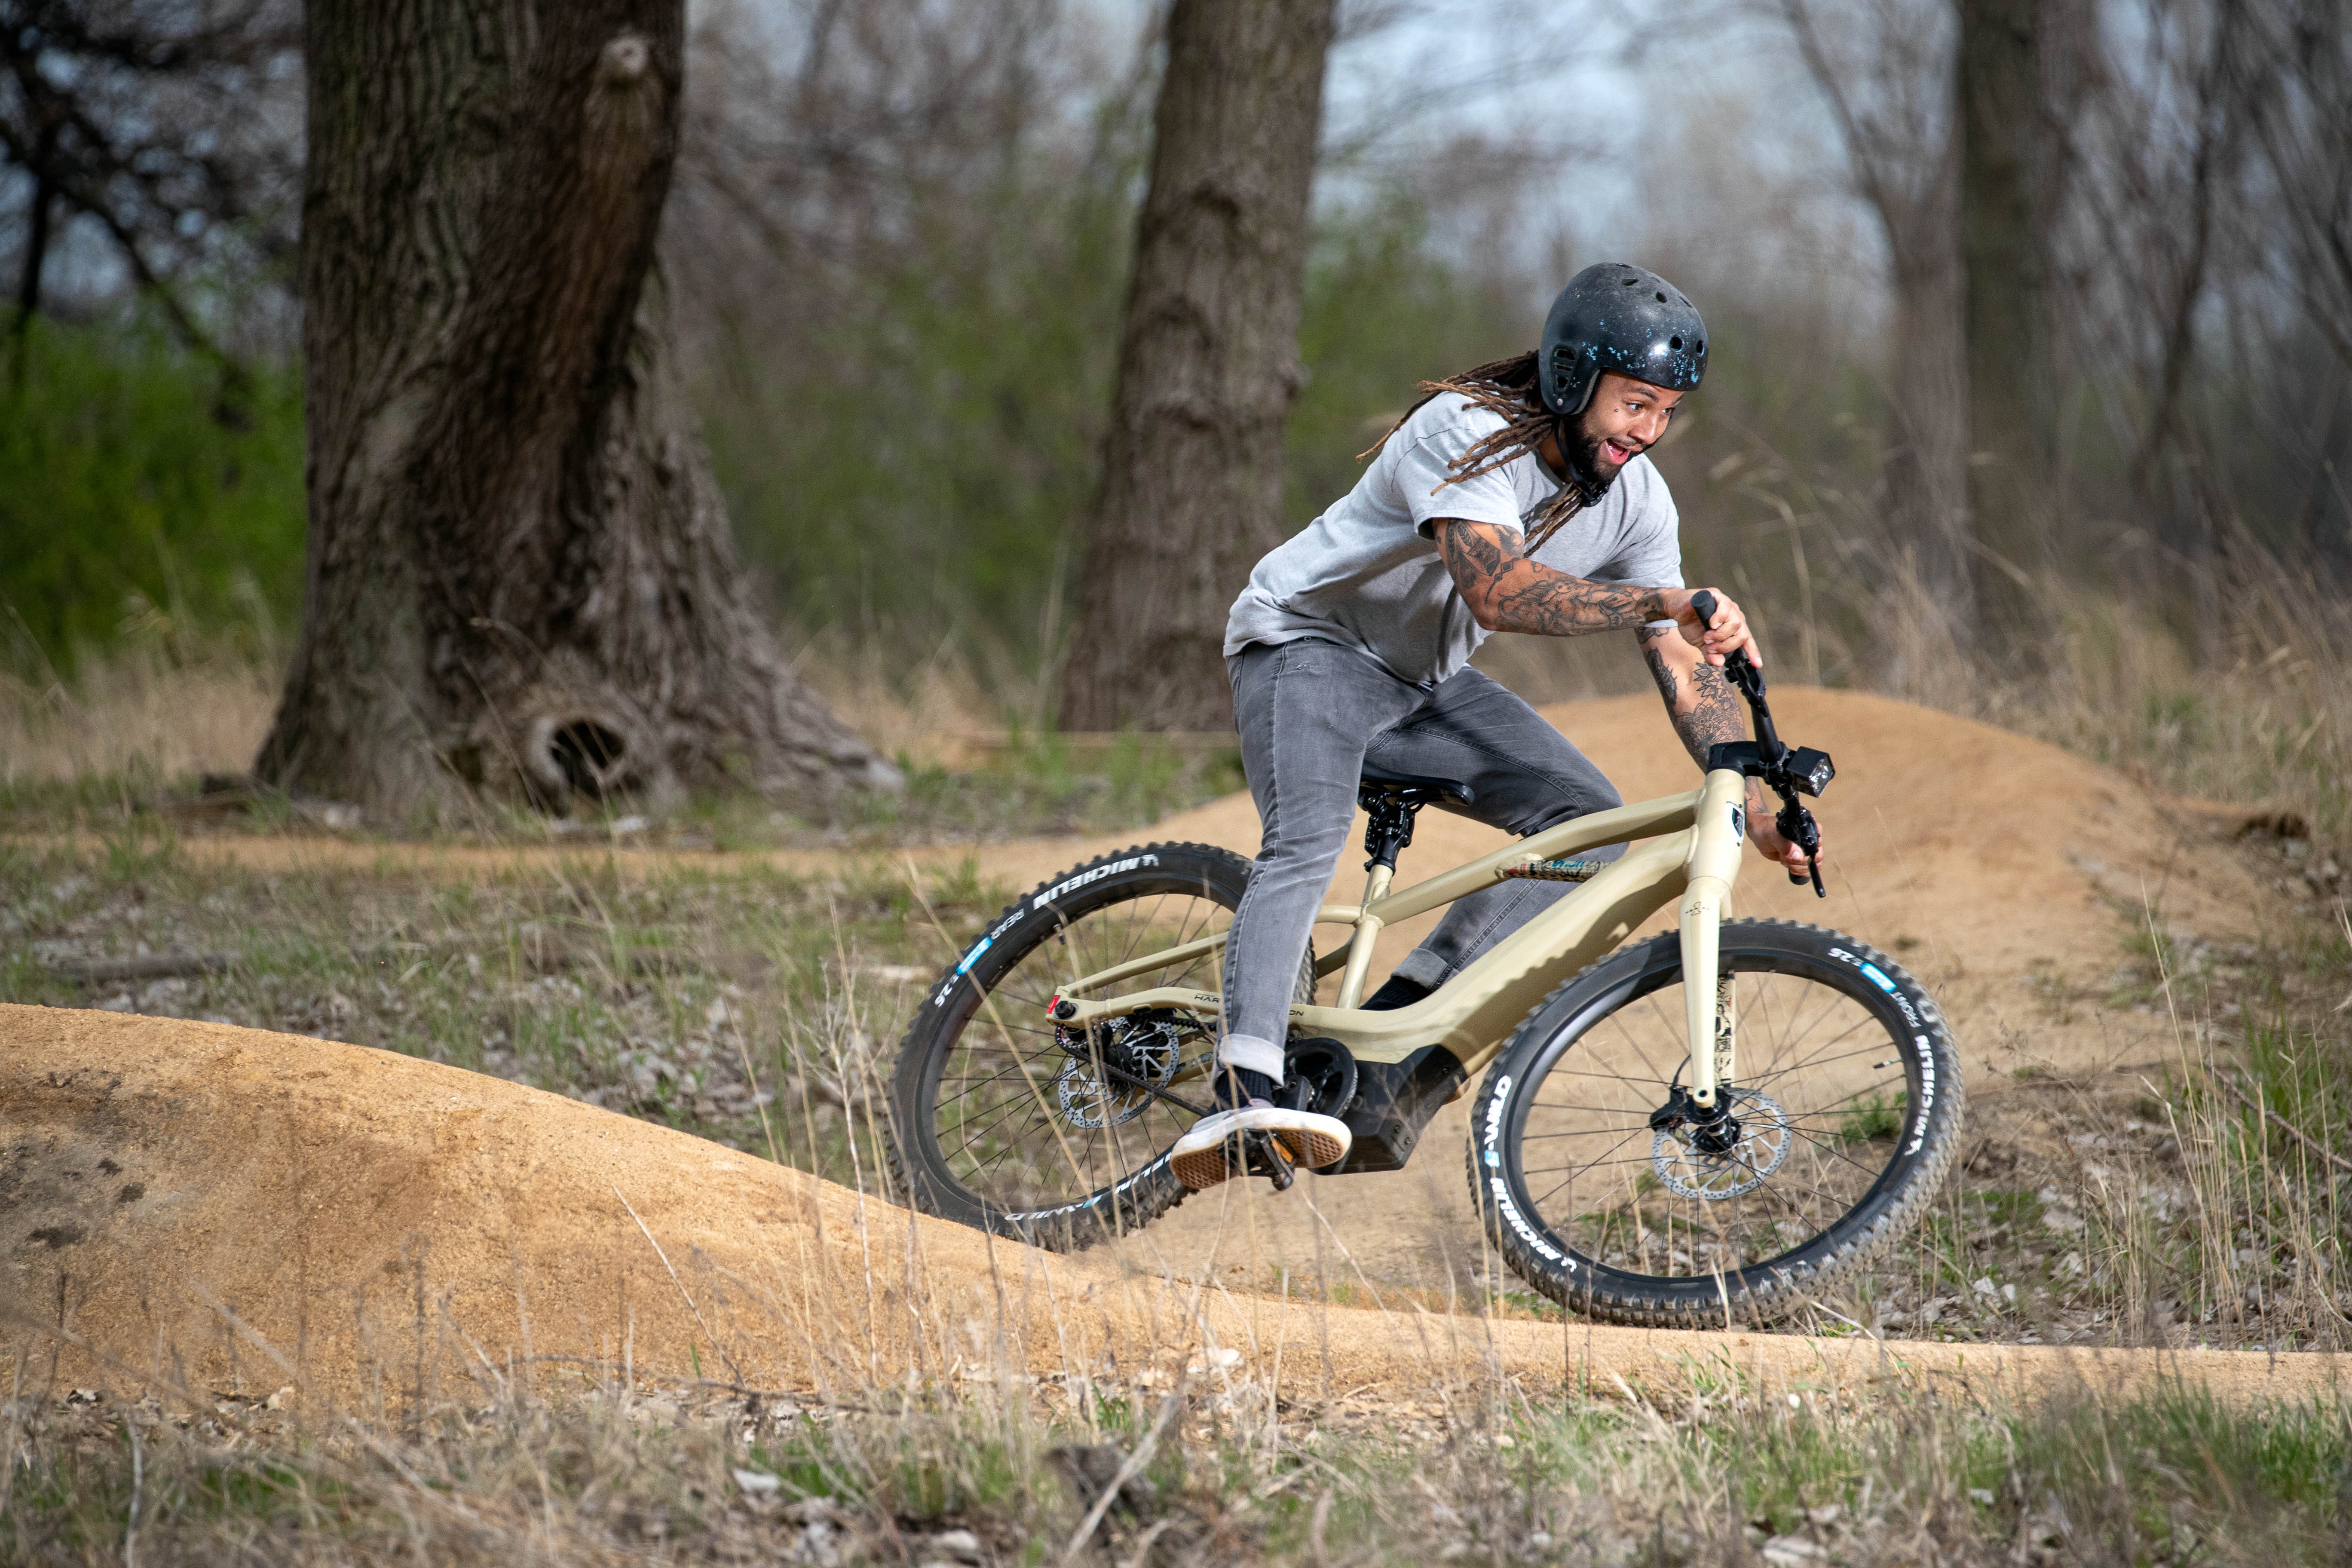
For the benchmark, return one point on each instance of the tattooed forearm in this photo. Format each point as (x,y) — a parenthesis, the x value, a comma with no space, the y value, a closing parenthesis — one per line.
(1654,646)
(1509,593)
(1701,702)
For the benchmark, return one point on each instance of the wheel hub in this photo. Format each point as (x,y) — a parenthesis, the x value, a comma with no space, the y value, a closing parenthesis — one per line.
(1138,1046)
(1709,1154)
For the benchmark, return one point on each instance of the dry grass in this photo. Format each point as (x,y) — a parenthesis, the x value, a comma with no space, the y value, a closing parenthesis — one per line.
(2251,705)
(601,1470)
(142,715)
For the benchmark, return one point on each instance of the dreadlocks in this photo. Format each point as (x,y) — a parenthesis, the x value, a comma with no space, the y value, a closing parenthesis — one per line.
(1506,389)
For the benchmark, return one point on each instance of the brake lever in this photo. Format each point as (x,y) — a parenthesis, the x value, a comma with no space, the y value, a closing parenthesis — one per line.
(1797,825)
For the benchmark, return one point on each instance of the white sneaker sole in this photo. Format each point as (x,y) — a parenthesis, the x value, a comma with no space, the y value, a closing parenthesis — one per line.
(1203,1157)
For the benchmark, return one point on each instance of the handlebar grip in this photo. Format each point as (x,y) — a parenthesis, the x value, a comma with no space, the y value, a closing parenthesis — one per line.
(1736,664)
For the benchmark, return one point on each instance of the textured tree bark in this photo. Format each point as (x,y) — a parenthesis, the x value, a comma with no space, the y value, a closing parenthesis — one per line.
(1905,163)
(2006,164)
(1926,471)
(520,574)
(1192,488)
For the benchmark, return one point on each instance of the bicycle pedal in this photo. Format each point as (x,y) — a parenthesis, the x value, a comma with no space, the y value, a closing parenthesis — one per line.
(1266,1157)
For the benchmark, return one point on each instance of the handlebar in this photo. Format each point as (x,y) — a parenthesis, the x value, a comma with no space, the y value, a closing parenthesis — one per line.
(1789,773)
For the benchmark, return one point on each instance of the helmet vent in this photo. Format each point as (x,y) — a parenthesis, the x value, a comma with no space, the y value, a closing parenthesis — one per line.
(1662,299)
(1633,282)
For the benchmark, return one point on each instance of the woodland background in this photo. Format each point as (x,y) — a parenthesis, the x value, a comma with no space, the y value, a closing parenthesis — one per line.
(897,250)
(894,259)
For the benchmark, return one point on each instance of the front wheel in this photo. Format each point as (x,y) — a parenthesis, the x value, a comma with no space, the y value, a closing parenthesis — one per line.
(1607,1190)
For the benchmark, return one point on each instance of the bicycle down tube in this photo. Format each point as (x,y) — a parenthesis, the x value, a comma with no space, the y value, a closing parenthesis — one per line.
(1688,845)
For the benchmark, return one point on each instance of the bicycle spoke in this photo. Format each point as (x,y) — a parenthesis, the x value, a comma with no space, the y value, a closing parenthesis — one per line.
(1803,1079)
(1000,1111)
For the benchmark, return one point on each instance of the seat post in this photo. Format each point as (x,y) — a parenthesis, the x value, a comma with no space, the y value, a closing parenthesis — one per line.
(1368,932)
(1392,800)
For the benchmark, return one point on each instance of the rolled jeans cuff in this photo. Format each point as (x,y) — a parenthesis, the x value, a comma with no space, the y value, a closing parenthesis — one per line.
(1251,1054)
(1424,969)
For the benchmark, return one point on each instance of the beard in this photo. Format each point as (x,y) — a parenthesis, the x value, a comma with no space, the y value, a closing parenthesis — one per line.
(1586,468)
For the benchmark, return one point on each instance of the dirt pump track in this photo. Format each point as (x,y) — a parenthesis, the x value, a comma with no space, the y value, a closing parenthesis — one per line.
(210,1208)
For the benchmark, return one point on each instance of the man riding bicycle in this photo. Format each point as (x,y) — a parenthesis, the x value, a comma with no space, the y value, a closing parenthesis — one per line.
(1513,497)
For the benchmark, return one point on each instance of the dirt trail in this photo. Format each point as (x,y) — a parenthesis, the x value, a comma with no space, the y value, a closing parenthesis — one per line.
(226,1210)
(2005,872)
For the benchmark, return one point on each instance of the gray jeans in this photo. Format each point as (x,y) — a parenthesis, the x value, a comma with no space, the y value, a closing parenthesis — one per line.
(1311,713)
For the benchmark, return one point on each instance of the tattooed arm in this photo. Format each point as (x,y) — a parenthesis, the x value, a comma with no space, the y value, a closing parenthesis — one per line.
(1706,710)
(1508,592)
(1701,702)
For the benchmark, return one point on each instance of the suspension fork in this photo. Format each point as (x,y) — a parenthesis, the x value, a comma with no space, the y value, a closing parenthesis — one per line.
(1717,837)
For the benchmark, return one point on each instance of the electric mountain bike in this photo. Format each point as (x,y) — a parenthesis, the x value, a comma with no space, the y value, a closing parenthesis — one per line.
(1725,1119)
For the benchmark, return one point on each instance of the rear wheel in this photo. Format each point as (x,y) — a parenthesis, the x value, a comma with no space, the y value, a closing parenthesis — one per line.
(1610,1190)
(1003,1120)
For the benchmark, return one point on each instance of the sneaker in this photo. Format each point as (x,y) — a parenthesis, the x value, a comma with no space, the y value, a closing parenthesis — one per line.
(1213,1152)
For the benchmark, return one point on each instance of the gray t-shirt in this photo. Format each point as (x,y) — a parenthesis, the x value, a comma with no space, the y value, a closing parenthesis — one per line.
(1367,575)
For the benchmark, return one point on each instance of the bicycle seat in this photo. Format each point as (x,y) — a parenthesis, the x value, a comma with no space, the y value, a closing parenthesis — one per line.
(1410,789)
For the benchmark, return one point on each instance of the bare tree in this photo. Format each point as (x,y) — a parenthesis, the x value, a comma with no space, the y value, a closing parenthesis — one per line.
(1191,490)
(168,129)
(1884,68)
(2157,149)
(898,239)
(520,566)
(2008,166)
(2298,84)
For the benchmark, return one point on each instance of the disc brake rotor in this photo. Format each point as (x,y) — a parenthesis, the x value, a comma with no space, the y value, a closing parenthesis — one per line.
(1689,1170)
(1148,1051)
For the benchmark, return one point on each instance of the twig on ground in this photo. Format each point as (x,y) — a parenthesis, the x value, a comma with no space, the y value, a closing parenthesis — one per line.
(144,966)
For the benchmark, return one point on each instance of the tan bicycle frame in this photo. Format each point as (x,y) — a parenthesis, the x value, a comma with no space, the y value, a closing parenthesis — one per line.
(1690,845)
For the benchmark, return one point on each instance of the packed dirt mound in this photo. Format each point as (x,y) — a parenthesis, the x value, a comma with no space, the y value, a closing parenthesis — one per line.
(2007,873)
(215,1210)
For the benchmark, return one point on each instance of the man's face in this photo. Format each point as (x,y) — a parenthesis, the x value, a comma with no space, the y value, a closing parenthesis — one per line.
(1624,418)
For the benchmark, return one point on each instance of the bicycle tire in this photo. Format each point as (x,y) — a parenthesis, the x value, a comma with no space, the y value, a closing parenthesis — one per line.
(1543,1248)
(927,1173)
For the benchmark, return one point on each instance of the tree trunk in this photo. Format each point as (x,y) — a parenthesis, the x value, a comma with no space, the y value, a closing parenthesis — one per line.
(1905,162)
(2005,167)
(521,573)
(1927,469)
(1192,488)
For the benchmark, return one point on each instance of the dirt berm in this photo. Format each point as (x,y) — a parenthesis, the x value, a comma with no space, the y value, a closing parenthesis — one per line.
(222,1210)
(2006,873)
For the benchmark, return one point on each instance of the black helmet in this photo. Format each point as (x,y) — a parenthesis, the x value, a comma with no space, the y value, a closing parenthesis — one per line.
(1619,318)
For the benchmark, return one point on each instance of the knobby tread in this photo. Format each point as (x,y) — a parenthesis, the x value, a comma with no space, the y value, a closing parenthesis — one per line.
(1785,1289)
(1093,1223)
